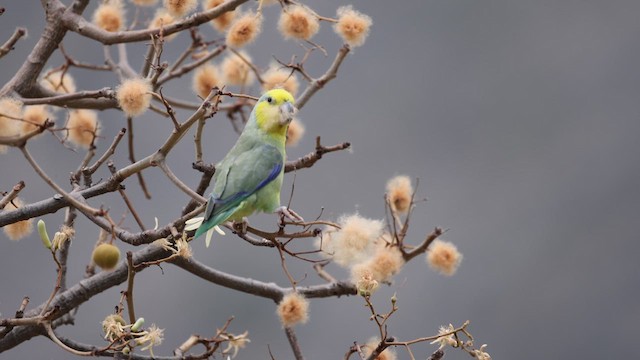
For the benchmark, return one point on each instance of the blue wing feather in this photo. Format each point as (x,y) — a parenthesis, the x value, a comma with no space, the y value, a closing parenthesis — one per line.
(220,208)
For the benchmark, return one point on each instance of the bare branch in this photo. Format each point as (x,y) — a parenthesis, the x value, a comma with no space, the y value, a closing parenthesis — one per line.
(422,247)
(8,46)
(181,185)
(73,100)
(12,194)
(79,25)
(110,150)
(320,82)
(308,160)
(186,68)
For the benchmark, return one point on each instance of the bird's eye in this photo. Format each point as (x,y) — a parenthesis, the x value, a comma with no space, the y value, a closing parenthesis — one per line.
(269,99)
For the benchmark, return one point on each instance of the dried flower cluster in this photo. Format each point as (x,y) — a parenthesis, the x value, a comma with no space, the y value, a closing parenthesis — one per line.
(298,22)
(109,16)
(235,342)
(144,2)
(244,30)
(83,127)
(20,229)
(383,265)
(278,77)
(205,78)
(134,96)
(236,71)
(399,193)
(444,257)
(222,22)
(10,118)
(354,242)
(33,117)
(293,309)
(180,8)
(352,26)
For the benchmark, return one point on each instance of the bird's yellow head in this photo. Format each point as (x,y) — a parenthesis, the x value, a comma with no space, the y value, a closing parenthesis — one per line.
(274,111)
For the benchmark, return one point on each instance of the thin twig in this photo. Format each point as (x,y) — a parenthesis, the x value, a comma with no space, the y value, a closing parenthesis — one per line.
(293,341)
(81,26)
(131,273)
(110,150)
(320,82)
(87,210)
(308,160)
(132,158)
(55,339)
(422,247)
(127,202)
(67,99)
(181,185)
(175,73)
(12,194)
(8,45)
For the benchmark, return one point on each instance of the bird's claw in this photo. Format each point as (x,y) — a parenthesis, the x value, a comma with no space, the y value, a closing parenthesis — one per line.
(241,226)
(285,212)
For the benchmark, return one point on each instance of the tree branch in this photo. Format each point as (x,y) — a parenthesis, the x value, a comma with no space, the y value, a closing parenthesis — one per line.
(308,160)
(8,46)
(320,82)
(81,26)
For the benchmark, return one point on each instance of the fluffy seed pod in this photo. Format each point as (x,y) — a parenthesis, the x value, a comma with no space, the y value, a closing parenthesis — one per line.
(276,77)
(383,265)
(244,30)
(352,26)
(444,257)
(83,126)
(144,2)
(162,19)
(57,83)
(109,16)
(298,22)
(20,229)
(134,96)
(399,192)
(10,115)
(236,71)
(355,241)
(106,256)
(180,8)
(295,132)
(205,78)
(222,22)
(33,116)
(293,309)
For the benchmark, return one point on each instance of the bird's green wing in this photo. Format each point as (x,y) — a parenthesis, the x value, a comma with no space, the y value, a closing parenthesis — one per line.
(238,178)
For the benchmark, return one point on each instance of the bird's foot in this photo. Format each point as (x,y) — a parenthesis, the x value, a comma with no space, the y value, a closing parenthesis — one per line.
(285,212)
(241,226)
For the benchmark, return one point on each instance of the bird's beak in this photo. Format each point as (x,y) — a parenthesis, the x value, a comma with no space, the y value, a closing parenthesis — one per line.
(287,110)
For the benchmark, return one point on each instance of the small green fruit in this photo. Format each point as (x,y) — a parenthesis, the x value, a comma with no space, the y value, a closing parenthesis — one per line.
(106,256)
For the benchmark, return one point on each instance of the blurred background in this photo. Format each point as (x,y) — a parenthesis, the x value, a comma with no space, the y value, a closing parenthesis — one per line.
(521,120)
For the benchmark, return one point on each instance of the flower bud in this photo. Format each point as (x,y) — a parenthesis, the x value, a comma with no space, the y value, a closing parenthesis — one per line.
(138,324)
(42,230)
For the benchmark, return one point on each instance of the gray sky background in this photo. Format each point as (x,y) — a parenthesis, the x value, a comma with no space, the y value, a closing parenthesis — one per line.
(521,120)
